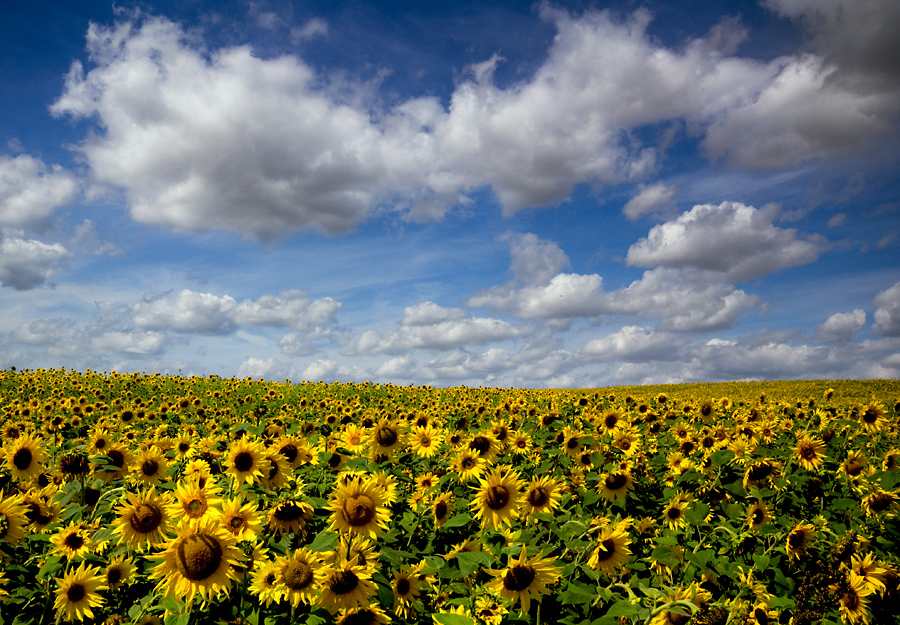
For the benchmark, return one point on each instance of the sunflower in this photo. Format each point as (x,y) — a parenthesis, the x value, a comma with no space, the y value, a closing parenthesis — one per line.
(118,571)
(891,461)
(387,437)
(759,472)
(265,582)
(76,593)
(40,509)
(387,485)
(524,578)
(184,447)
(872,574)
(441,508)
(489,610)
(193,504)
(73,541)
(673,514)
(198,560)
(352,548)
(810,453)
(245,462)
(521,443)
(358,507)
(362,616)
(467,465)
(406,586)
(151,466)
(761,614)
(881,502)
(615,485)
(425,441)
(799,539)
(346,585)
(693,594)
(854,603)
(758,515)
(609,422)
(25,457)
(499,498)
(354,438)
(291,447)
(541,495)
(144,519)
(278,472)
(299,577)
(241,519)
(571,446)
(13,520)
(100,441)
(117,464)
(612,550)
(873,417)
(290,516)
(628,441)
(855,465)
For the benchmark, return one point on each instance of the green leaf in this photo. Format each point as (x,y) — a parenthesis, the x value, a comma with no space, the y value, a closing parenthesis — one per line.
(457,521)
(578,594)
(623,608)
(761,562)
(52,566)
(444,618)
(470,561)
(324,541)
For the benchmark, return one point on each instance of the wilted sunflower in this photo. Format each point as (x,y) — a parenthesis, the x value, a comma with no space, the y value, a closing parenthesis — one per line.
(12,520)
(891,461)
(72,541)
(198,561)
(881,502)
(541,495)
(358,507)
(425,441)
(346,585)
(615,485)
(77,593)
(810,453)
(799,539)
(499,498)
(759,472)
(299,577)
(525,578)
(693,593)
(854,603)
(240,519)
(144,519)
(245,462)
(612,550)
(25,457)
(290,516)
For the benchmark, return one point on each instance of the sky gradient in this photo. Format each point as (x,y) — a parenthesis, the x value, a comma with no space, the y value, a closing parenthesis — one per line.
(571,194)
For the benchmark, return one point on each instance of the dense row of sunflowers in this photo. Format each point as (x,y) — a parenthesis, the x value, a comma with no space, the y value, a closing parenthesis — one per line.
(154,499)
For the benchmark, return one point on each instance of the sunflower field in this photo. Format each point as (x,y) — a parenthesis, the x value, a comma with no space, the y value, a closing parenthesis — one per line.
(152,499)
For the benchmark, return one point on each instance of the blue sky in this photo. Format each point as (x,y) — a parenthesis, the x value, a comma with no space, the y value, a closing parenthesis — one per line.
(570,194)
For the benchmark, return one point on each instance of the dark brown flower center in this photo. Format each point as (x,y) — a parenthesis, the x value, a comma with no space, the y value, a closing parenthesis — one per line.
(343,582)
(75,593)
(297,574)
(359,510)
(289,451)
(440,509)
(74,541)
(22,458)
(236,522)
(606,550)
(288,511)
(674,513)
(150,468)
(198,556)
(760,471)
(880,502)
(481,444)
(796,539)
(113,576)
(497,497)
(538,497)
(615,481)
(146,518)
(518,577)
(243,461)
(403,587)
(386,436)
(808,452)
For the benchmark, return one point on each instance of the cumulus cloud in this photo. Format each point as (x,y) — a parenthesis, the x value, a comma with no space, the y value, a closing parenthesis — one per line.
(651,199)
(887,315)
(190,312)
(28,264)
(432,327)
(281,153)
(738,241)
(31,191)
(632,344)
(841,326)
(684,300)
(535,260)
(65,339)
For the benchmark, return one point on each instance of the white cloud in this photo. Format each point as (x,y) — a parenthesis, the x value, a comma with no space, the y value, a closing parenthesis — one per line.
(651,199)
(264,368)
(27,264)
(841,326)
(187,312)
(87,344)
(535,260)
(887,315)
(733,239)
(315,27)
(429,313)
(291,309)
(632,344)
(30,191)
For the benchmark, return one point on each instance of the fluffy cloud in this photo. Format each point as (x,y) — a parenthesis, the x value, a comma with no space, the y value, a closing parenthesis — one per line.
(190,312)
(887,315)
(841,326)
(632,344)
(30,191)
(27,264)
(68,340)
(684,300)
(735,240)
(651,199)
(535,260)
(432,327)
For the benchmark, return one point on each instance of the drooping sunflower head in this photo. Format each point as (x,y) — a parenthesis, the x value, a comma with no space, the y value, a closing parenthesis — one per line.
(289,516)
(12,520)
(799,539)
